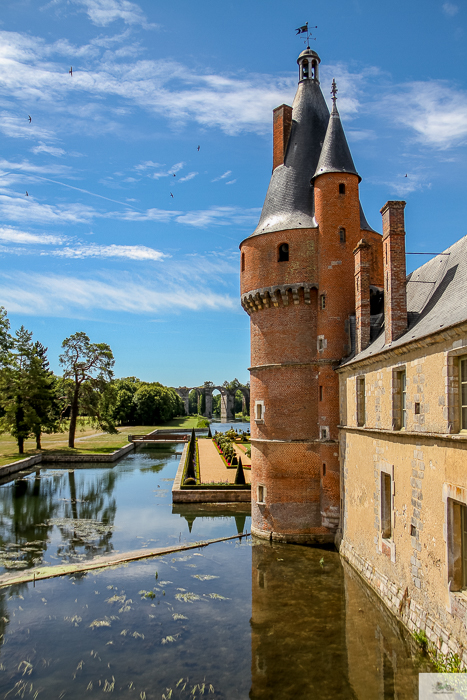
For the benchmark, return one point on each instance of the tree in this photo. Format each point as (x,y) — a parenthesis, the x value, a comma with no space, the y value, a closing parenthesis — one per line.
(89,365)
(27,391)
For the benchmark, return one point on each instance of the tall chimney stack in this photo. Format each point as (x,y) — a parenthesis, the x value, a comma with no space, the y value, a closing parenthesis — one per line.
(282,123)
(395,298)
(362,254)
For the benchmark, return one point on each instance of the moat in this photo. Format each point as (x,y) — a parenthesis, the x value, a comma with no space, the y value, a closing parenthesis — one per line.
(234,620)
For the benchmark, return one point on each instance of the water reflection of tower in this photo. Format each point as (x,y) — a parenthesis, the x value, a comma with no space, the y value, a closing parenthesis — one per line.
(317,631)
(297,625)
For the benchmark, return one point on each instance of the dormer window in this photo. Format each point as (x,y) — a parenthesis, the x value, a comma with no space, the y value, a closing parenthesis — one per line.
(283,252)
(341,188)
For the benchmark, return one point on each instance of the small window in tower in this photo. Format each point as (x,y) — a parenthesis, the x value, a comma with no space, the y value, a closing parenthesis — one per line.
(305,69)
(342,234)
(321,392)
(324,469)
(322,301)
(259,411)
(261,493)
(283,252)
(313,69)
(341,188)
(243,262)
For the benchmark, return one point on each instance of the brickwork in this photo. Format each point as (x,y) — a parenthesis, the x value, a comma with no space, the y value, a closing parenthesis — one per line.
(262,266)
(362,295)
(282,123)
(395,300)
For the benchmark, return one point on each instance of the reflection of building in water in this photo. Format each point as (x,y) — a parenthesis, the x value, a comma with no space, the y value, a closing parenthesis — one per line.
(318,632)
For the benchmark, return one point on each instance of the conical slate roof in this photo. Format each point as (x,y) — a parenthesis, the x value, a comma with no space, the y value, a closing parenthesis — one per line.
(289,202)
(335,156)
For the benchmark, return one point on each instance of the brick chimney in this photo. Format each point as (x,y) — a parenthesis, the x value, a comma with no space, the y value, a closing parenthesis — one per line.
(395,298)
(362,254)
(282,123)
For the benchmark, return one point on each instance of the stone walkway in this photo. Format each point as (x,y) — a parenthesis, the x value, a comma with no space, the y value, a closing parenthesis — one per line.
(212,467)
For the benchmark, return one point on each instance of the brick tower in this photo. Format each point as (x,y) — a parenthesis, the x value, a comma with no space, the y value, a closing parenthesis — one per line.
(297,285)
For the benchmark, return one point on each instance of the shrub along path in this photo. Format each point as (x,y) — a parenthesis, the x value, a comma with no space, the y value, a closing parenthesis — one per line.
(212,467)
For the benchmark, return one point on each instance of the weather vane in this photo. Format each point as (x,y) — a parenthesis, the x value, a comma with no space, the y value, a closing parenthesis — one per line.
(306,30)
(334,91)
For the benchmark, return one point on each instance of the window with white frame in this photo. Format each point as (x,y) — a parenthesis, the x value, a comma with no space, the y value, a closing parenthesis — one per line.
(259,411)
(261,495)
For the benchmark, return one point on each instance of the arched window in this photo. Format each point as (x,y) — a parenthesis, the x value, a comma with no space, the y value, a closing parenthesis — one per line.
(342,235)
(313,69)
(341,188)
(305,69)
(243,262)
(283,252)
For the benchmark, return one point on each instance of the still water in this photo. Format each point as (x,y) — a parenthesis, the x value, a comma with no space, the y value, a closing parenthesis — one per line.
(233,620)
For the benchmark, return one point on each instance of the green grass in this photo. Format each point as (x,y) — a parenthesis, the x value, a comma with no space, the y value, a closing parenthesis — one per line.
(88,440)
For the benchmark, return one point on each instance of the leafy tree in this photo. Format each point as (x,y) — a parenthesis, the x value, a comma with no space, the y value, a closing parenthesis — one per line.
(26,389)
(89,365)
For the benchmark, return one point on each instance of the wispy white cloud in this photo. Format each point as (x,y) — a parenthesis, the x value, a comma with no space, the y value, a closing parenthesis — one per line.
(219,216)
(190,176)
(434,110)
(222,177)
(27,210)
(450,9)
(231,182)
(103,12)
(147,164)
(129,252)
(13,235)
(58,295)
(50,150)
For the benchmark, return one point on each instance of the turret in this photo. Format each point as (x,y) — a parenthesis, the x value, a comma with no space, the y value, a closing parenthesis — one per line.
(297,285)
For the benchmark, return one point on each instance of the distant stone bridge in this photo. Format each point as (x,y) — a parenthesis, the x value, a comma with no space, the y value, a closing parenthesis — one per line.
(227,398)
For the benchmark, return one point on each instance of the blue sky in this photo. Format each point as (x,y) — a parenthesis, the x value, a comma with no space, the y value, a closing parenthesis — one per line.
(99,244)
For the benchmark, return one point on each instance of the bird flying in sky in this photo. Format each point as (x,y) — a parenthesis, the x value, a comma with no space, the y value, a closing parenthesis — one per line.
(171,194)
(199,147)
(27,193)
(30,120)
(71,71)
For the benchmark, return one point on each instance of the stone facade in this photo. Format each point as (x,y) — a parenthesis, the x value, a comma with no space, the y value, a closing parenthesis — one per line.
(412,565)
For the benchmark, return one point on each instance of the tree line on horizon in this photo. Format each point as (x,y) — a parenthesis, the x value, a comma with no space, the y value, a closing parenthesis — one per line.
(33,400)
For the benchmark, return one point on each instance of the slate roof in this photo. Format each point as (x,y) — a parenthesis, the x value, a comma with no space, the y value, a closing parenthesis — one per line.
(335,155)
(289,202)
(436,299)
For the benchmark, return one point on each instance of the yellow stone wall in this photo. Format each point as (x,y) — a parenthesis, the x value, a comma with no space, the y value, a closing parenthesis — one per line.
(428,465)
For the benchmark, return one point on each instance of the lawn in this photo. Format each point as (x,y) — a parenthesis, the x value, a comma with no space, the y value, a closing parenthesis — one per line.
(88,439)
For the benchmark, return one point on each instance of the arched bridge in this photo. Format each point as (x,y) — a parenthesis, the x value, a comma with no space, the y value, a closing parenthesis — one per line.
(227,392)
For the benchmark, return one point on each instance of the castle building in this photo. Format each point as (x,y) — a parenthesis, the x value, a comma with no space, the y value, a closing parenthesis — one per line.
(358,378)
(297,285)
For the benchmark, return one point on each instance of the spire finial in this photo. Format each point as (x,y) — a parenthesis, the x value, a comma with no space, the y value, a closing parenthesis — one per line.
(334,92)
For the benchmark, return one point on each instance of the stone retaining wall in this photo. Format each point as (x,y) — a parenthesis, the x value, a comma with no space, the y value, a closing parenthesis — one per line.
(45,458)
(413,616)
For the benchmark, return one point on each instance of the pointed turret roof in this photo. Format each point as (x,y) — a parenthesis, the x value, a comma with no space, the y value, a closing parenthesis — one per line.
(335,155)
(289,202)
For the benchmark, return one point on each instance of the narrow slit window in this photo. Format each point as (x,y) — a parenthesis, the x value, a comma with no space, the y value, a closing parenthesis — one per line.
(399,400)
(360,401)
(283,252)
(463,392)
(457,550)
(324,469)
(386,526)
(321,393)
(341,188)
(243,262)
(261,493)
(342,234)
(259,411)
(322,301)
